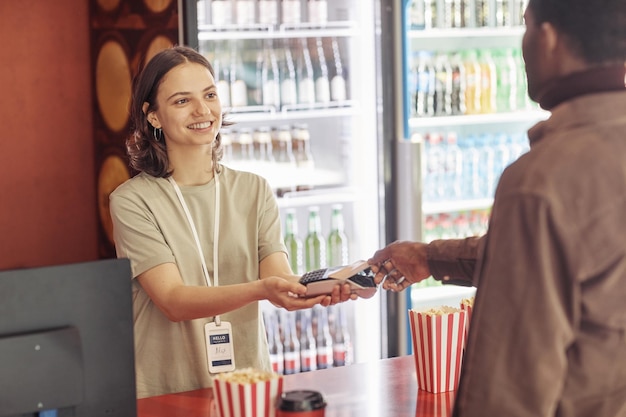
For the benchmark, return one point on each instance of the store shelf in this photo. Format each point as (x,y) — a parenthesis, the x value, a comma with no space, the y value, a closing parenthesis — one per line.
(464,38)
(456,206)
(312,111)
(479,119)
(258,31)
(318,197)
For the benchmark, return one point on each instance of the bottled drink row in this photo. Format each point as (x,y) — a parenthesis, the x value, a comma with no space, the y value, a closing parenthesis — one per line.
(279,74)
(316,250)
(453,226)
(262,13)
(428,14)
(273,152)
(472,81)
(306,340)
(467,167)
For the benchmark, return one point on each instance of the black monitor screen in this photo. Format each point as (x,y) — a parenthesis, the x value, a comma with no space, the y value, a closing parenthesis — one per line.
(66,341)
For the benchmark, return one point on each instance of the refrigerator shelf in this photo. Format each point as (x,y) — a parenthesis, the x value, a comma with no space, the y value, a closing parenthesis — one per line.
(525,116)
(464,38)
(315,197)
(258,31)
(309,111)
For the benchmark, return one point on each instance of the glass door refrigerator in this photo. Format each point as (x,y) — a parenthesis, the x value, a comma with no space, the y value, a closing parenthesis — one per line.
(299,80)
(457,116)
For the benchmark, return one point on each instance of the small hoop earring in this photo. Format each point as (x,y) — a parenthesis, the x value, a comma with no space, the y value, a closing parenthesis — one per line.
(158,134)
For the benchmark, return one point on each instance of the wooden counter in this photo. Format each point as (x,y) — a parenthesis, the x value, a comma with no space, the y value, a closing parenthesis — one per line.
(385,388)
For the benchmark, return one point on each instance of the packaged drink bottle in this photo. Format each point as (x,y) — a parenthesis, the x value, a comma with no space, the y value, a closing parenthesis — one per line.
(246,146)
(314,244)
(486,165)
(275,345)
(448,13)
(221,67)
(301,141)
(435,189)
(443,86)
(221,12)
(263,145)
(268,12)
(305,76)
(226,140)
(342,343)
(238,87)
(431,14)
(506,69)
(460,14)
(287,71)
(457,95)
(417,15)
(291,344)
(323,339)
(285,160)
(453,168)
(293,242)
(337,239)
(308,349)
(471,173)
(488,79)
(322,83)
(503,13)
(245,12)
(271,78)
(317,11)
(338,81)
(482,8)
(291,12)
(425,91)
(473,79)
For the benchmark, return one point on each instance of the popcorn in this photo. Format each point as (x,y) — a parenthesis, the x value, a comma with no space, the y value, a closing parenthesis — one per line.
(438,337)
(247,392)
(467,304)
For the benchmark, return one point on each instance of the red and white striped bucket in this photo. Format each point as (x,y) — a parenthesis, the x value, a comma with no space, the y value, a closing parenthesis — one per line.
(247,400)
(438,342)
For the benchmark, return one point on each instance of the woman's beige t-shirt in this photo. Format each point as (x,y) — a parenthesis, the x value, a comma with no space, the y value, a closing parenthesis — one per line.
(150,228)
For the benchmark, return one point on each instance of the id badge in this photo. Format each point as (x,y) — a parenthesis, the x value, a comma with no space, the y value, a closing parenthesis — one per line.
(219,347)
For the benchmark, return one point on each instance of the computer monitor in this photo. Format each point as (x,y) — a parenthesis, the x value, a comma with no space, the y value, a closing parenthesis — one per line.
(66,341)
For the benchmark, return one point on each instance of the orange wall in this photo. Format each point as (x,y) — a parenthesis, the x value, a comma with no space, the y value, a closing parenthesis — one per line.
(48,212)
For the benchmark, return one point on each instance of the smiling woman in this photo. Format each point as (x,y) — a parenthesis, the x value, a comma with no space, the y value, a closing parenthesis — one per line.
(167,221)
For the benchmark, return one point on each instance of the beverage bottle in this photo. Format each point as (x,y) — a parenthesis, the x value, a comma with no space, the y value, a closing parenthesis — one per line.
(305,76)
(337,239)
(342,343)
(308,349)
(460,13)
(503,15)
(323,340)
(221,68)
(453,168)
(291,12)
(322,83)
(425,91)
(486,165)
(506,69)
(470,170)
(318,11)
(338,81)
(287,72)
(221,12)
(301,141)
(226,140)
(263,145)
(435,167)
(523,101)
(431,14)
(268,12)
(245,12)
(238,88)
(457,95)
(501,156)
(482,13)
(417,15)
(246,146)
(488,82)
(473,79)
(443,86)
(275,345)
(285,160)
(271,79)
(293,242)
(314,244)
(448,13)
(291,344)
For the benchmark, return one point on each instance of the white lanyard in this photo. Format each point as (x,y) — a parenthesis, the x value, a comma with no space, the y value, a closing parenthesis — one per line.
(216,232)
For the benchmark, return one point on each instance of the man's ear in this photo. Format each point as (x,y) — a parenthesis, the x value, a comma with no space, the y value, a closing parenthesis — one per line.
(151,117)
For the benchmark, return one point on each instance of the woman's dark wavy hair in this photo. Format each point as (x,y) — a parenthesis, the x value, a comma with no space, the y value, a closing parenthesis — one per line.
(146,153)
(596,29)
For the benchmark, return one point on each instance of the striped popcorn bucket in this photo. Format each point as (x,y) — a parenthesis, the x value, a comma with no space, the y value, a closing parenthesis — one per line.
(247,400)
(438,341)
(468,316)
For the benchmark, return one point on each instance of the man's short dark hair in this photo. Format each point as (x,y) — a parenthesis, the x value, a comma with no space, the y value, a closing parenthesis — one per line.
(596,29)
